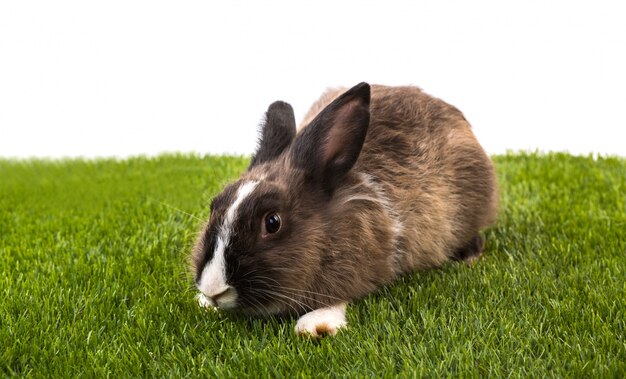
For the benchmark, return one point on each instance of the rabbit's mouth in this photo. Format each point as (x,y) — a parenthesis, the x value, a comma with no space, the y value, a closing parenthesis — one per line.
(252,309)
(224,299)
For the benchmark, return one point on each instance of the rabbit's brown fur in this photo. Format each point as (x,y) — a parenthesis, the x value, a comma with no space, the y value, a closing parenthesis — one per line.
(418,195)
(437,175)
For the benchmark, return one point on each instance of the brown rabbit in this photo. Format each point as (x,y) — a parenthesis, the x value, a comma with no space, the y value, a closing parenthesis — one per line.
(377,182)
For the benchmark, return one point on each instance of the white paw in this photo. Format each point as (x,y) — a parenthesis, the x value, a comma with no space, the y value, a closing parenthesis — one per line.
(322,321)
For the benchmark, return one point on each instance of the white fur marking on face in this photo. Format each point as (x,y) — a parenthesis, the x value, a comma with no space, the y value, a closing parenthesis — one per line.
(213,278)
(322,321)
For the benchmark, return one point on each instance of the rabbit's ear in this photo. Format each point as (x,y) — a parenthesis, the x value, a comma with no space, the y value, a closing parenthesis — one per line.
(329,147)
(277,133)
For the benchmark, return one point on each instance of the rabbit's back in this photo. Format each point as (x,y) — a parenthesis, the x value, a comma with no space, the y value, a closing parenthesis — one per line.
(421,155)
(433,170)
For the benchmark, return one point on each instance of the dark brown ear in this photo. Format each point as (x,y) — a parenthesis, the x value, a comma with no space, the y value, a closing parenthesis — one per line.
(329,147)
(277,133)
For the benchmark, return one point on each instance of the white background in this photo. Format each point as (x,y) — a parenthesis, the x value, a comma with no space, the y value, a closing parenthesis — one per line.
(120,78)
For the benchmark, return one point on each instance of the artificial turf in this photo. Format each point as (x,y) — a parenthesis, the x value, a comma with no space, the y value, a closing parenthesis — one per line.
(94,281)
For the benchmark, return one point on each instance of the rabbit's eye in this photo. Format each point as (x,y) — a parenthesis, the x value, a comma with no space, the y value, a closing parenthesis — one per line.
(272,223)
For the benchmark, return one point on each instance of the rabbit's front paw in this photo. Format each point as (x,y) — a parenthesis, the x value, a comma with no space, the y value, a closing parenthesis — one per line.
(323,321)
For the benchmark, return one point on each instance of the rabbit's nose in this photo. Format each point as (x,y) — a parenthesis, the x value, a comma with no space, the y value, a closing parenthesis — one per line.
(215,298)
(225,297)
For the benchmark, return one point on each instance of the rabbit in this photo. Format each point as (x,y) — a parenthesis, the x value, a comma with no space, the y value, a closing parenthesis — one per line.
(377,182)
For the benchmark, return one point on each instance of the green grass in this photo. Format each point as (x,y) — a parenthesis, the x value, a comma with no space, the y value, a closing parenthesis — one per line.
(93,281)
